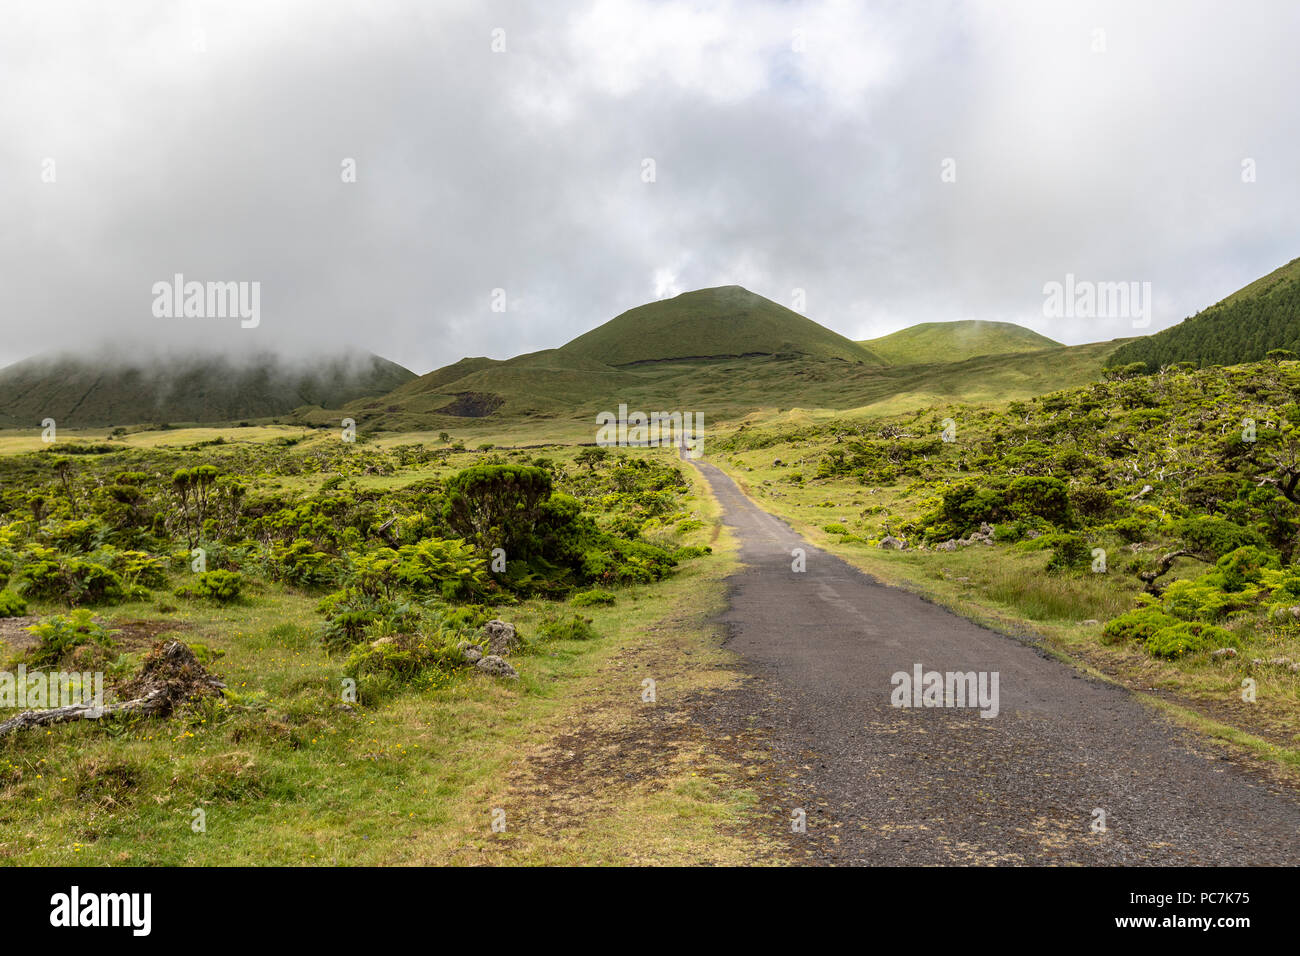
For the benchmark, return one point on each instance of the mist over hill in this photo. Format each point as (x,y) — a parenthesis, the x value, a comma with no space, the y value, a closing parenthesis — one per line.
(77,390)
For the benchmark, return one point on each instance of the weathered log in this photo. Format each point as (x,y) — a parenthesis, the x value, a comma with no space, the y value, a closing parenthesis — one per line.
(151,703)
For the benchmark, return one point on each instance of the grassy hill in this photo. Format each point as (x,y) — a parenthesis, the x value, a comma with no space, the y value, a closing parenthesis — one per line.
(1244,327)
(932,342)
(726,322)
(553,387)
(726,353)
(78,392)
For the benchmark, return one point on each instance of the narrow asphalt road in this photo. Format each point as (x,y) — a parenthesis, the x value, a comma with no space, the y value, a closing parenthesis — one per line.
(943,785)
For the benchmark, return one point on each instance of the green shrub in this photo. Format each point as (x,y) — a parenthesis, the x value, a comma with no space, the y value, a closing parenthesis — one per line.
(301,564)
(692,551)
(497,506)
(448,568)
(1215,536)
(1046,497)
(417,660)
(592,598)
(1021,529)
(1186,637)
(1201,600)
(627,562)
(58,636)
(77,535)
(351,613)
(1131,529)
(573,628)
(1070,552)
(1209,492)
(963,508)
(835,528)
(1091,501)
(220,586)
(1242,567)
(139,567)
(12,605)
(1136,626)
(74,581)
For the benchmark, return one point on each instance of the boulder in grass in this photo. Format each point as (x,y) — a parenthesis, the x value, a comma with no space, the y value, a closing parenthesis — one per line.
(496,666)
(502,637)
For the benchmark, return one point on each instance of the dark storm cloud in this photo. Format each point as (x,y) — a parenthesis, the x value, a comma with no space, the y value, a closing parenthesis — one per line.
(795,146)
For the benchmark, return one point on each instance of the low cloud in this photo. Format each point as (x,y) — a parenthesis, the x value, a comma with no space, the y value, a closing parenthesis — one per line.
(501,200)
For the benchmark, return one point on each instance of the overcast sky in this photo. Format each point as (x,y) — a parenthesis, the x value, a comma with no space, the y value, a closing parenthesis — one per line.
(794,146)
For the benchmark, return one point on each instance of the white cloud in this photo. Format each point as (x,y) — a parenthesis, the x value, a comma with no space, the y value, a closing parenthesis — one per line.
(777,168)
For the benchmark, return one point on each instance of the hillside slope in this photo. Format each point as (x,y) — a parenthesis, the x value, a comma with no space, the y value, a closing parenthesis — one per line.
(726,322)
(77,392)
(931,342)
(1244,327)
(554,386)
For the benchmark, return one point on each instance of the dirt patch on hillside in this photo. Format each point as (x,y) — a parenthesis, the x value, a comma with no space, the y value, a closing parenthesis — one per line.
(472,405)
(131,635)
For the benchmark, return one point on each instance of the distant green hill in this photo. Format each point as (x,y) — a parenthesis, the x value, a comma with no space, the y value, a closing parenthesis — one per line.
(932,342)
(1244,327)
(554,386)
(78,392)
(726,322)
(726,353)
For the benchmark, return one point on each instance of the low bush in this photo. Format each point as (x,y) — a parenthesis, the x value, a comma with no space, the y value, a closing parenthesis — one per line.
(1186,637)
(12,605)
(572,628)
(58,636)
(1137,626)
(592,598)
(220,586)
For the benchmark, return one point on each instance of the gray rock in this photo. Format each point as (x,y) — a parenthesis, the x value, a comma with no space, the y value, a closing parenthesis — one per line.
(1224,652)
(501,636)
(496,666)
(892,543)
(471,653)
(1285,662)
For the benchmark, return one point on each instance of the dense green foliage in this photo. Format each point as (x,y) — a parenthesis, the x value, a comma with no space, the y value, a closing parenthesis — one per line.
(416,562)
(1245,327)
